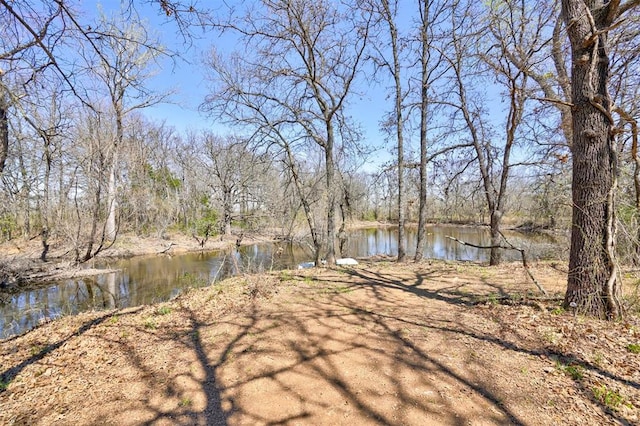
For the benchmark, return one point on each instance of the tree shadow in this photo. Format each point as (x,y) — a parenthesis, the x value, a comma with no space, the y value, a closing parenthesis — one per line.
(342,353)
(10,373)
(453,295)
(317,360)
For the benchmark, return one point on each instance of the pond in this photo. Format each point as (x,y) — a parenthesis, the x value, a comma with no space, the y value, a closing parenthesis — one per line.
(144,280)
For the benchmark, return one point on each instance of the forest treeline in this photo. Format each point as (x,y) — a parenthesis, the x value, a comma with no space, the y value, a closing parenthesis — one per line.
(495,109)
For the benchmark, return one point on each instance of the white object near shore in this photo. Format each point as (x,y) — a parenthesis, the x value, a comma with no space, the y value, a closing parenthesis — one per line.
(306,265)
(346,261)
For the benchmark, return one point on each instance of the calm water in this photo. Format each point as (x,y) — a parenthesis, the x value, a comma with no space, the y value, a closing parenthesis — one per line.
(153,279)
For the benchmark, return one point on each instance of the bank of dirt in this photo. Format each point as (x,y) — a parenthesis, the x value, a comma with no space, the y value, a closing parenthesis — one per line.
(378,343)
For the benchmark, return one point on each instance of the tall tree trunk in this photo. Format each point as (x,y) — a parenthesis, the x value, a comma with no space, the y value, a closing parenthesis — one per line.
(495,255)
(112,203)
(227,211)
(397,110)
(45,208)
(315,238)
(592,286)
(331,196)
(424,59)
(4,129)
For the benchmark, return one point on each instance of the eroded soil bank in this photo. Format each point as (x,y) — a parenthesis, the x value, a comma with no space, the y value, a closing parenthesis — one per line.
(378,343)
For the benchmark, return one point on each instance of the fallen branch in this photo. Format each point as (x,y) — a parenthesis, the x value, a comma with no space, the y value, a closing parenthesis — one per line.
(509,247)
(518,300)
(171,244)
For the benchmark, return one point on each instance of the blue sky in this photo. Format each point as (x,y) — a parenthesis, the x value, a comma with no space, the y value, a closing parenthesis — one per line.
(186,76)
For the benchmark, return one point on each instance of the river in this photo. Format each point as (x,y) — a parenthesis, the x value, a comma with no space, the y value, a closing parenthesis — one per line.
(143,280)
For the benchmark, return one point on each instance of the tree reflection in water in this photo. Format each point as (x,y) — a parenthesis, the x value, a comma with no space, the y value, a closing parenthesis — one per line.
(147,280)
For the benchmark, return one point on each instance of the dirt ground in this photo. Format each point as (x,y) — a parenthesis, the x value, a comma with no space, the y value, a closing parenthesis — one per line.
(378,343)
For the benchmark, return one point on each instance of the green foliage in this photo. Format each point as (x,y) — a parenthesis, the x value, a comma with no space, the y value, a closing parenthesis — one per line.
(558,311)
(598,358)
(492,299)
(634,348)
(575,371)
(163,310)
(150,324)
(610,398)
(185,402)
(37,349)
(286,276)
(369,215)
(8,226)
(626,213)
(207,224)
(3,385)
(163,177)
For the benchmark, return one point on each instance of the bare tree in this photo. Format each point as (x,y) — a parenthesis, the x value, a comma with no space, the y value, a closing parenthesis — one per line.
(4,125)
(41,37)
(124,62)
(305,62)
(477,51)
(431,12)
(236,168)
(516,34)
(392,63)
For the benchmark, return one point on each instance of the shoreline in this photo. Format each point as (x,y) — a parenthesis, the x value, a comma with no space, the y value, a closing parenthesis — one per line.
(20,264)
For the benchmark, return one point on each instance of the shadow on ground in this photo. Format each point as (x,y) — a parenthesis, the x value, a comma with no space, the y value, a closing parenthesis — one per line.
(345,346)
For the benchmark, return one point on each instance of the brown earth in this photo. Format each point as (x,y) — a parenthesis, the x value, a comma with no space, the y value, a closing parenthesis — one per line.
(378,343)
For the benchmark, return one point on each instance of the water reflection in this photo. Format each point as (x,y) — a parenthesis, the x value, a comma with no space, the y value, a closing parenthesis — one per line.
(146,280)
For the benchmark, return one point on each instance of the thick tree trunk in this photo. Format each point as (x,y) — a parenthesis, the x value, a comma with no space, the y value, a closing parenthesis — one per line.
(424,104)
(331,199)
(495,255)
(592,286)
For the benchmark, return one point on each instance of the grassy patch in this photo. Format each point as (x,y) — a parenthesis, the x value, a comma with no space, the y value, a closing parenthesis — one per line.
(634,348)
(598,359)
(163,310)
(286,276)
(610,398)
(37,349)
(493,298)
(575,371)
(150,324)
(3,385)
(185,402)
(551,336)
